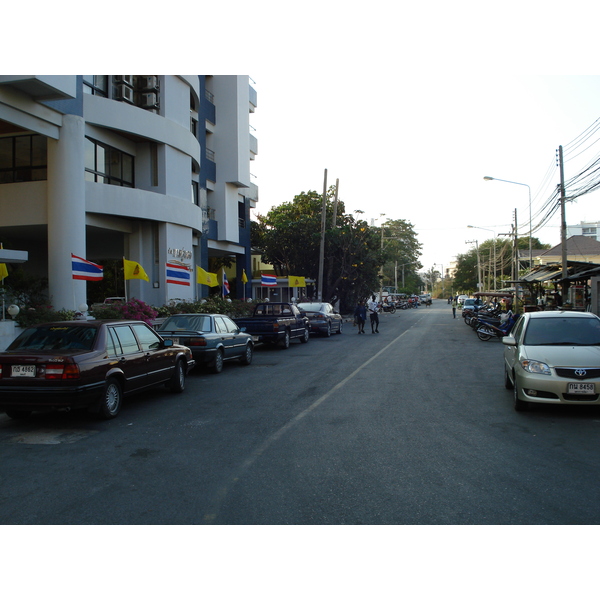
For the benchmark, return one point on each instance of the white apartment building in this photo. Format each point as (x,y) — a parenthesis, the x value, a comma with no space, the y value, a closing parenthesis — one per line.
(151,168)
(585,228)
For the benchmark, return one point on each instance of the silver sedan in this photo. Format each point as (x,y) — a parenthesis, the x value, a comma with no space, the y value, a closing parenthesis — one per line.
(553,357)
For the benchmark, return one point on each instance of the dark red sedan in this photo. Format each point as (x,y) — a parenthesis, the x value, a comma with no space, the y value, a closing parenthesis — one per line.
(91,364)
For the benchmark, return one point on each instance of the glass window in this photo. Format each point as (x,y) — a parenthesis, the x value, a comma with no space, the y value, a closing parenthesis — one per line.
(127,340)
(105,164)
(147,338)
(23,158)
(96,85)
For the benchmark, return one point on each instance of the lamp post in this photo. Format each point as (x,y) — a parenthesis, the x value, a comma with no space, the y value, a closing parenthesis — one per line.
(486,178)
(495,264)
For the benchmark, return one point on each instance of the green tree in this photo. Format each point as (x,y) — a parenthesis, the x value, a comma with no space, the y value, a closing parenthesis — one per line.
(401,254)
(289,237)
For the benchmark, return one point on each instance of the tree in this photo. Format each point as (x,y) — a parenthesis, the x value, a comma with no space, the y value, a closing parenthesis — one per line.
(401,251)
(289,238)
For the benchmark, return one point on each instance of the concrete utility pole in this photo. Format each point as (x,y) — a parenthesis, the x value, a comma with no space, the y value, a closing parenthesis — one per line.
(322,249)
(335,203)
(563,221)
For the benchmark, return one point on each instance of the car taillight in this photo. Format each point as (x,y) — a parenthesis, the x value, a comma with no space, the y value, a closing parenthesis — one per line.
(196,341)
(62,371)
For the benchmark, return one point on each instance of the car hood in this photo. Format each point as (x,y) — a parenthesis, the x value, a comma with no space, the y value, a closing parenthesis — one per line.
(564,356)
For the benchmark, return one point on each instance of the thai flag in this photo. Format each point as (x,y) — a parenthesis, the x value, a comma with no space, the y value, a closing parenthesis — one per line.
(178,274)
(86,270)
(268,280)
(225,285)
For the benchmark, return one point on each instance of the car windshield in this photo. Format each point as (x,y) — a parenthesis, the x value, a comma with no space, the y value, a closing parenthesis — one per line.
(186,323)
(56,337)
(563,331)
(310,306)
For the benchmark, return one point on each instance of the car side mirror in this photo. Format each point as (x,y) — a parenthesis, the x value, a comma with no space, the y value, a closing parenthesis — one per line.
(242,329)
(167,343)
(509,340)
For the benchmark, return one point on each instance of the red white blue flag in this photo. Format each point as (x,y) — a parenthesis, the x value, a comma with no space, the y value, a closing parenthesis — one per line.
(268,280)
(178,274)
(86,270)
(225,285)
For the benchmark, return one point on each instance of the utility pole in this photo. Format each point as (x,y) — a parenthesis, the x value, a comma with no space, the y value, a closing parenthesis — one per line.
(563,224)
(478,263)
(335,203)
(322,248)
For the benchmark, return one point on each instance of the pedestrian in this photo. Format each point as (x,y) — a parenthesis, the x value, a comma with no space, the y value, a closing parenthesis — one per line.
(454,305)
(373,310)
(360,316)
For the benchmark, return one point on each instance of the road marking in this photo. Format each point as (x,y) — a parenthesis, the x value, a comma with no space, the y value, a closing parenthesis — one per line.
(256,454)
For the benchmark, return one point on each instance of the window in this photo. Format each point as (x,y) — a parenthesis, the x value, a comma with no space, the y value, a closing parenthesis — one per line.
(126,340)
(97,85)
(104,164)
(23,158)
(147,338)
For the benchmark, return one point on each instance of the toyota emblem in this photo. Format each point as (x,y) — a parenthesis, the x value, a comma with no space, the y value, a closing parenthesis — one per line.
(580,372)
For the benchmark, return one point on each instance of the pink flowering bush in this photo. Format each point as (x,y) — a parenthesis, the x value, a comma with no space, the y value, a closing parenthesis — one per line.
(133,309)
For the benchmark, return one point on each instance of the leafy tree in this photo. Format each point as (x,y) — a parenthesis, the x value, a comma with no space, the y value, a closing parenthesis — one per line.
(401,251)
(289,237)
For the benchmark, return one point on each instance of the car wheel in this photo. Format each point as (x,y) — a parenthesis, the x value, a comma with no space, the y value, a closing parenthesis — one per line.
(18,414)
(217,364)
(246,358)
(519,404)
(328,330)
(285,341)
(507,382)
(306,336)
(177,383)
(340,328)
(112,399)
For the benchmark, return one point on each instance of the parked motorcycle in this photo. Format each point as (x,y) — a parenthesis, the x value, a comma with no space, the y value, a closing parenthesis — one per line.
(391,308)
(487,331)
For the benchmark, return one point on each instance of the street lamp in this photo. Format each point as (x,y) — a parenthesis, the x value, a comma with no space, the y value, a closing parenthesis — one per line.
(495,264)
(486,178)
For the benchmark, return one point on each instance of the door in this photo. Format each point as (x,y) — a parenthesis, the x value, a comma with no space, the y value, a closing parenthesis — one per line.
(132,360)
(159,360)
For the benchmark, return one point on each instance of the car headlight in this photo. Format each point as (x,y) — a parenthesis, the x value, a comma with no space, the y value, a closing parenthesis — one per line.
(534,366)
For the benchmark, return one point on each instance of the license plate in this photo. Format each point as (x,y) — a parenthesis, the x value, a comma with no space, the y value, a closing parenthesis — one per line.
(581,388)
(255,338)
(174,340)
(23,371)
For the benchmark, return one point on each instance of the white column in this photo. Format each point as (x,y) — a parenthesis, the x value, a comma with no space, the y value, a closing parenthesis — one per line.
(66,213)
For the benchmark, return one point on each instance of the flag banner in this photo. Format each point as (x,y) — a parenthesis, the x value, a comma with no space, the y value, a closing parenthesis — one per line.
(206,278)
(296,281)
(244,278)
(3,271)
(268,280)
(86,270)
(225,285)
(133,270)
(178,274)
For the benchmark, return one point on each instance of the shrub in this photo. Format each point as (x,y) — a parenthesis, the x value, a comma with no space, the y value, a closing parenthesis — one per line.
(133,309)
(42,314)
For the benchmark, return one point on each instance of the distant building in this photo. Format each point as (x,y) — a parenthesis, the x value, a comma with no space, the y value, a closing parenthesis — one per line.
(580,248)
(153,168)
(588,229)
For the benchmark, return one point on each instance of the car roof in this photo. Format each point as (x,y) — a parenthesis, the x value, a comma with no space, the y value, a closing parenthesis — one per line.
(554,314)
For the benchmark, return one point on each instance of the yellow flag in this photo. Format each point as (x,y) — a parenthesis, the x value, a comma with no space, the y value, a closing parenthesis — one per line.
(244,278)
(296,281)
(134,270)
(3,271)
(206,278)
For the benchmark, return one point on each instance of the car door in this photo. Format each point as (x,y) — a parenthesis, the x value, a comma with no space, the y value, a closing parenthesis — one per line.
(131,358)
(226,336)
(238,339)
(511,353)
(159,360)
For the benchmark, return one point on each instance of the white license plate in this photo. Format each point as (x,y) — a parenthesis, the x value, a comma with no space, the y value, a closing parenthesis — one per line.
(23,371)
(255,338)
(174,340)
(581,388)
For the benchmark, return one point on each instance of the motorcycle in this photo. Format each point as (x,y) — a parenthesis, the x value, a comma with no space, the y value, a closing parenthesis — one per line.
(487,331)
(391,308)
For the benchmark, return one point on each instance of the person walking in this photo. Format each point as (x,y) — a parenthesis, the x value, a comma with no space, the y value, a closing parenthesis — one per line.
(360,316)
(373,310)
(454,305)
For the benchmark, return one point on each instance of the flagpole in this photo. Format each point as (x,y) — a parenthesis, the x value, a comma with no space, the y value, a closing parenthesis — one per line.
(124,281)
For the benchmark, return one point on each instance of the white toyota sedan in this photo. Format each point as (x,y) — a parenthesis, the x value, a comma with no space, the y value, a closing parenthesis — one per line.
(553,357)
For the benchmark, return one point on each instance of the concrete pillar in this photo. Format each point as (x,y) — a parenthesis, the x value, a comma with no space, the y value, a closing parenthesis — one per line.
(66,213)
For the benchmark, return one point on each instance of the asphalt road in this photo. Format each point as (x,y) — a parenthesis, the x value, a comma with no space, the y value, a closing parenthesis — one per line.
(409,426)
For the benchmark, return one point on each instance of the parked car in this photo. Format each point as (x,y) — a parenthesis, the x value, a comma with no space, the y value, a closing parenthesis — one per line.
(322,318)
(553,357)
(93,364)
(276,323)
(212,338)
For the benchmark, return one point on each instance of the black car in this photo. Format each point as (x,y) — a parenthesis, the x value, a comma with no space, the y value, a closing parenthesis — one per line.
(212,338)
(93,364)
(322,317)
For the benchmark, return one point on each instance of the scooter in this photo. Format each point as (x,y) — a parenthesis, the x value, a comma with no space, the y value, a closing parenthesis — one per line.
(487,331)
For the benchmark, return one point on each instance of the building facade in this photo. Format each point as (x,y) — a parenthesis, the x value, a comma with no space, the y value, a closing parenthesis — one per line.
(151,168)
